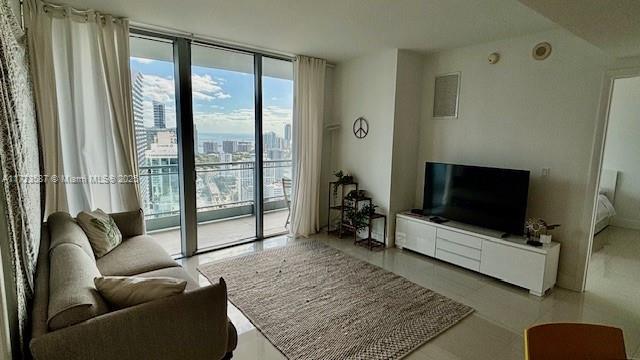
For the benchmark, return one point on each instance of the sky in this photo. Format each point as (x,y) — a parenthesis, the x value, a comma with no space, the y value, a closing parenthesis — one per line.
(222,100)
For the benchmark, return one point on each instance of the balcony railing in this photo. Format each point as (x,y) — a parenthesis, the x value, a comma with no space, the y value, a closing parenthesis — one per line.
(223,190)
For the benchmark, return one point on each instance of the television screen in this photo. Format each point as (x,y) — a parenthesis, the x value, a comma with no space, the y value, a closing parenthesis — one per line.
(488,197)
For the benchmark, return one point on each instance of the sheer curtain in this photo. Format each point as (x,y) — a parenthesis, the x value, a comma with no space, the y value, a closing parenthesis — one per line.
(308,114)
(80,65)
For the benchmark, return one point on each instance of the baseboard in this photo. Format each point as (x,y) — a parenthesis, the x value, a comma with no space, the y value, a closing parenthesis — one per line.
(626,223)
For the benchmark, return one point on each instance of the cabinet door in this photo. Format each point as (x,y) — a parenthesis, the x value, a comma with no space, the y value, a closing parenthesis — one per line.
(513,265)
(402,227)
(416,236)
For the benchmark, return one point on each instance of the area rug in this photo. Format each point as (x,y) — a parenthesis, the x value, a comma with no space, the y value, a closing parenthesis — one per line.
(312,301)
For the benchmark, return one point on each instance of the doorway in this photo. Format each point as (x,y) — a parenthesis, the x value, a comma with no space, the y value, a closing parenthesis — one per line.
(614,258)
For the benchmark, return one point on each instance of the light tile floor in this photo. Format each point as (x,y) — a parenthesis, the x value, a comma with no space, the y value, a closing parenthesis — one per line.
(495,330)
(222,232)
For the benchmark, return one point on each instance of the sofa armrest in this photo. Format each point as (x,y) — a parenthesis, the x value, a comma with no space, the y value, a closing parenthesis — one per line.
(192,325)
(130,223)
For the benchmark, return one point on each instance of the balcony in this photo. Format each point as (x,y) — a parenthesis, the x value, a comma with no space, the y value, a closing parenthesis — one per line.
(224,198)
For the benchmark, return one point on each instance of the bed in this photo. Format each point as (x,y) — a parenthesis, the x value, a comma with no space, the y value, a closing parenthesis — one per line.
(606,195)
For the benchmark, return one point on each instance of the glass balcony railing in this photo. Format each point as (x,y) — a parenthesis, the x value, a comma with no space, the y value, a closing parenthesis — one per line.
(223,190)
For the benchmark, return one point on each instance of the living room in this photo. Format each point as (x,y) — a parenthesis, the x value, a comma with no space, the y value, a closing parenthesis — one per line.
(373,180)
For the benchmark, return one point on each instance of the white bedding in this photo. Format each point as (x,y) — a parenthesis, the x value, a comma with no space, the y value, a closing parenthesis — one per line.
(605,209)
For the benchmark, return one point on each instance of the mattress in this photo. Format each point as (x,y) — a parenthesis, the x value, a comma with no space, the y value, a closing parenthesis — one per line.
(604,213)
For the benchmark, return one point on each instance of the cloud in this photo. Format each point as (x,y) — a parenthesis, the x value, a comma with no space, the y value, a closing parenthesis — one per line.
(142,60)
(206,88)
(162,89)
(158,88)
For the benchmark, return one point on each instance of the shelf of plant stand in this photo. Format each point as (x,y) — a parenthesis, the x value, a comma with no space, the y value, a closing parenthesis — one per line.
(370,242)
(345,184)
(346,225)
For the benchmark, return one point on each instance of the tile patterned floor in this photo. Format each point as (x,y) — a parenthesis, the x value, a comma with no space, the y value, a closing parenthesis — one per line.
(495,330)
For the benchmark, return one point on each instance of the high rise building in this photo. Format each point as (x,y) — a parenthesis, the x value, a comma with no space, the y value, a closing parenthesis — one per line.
(138,117)
(229,146)
(245,146)
(140,133)
(210,147)
(195,139)
(270,140)
(158,115)
(287,133)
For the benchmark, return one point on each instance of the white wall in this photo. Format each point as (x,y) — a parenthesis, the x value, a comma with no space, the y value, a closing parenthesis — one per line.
(366,87)
(525,114)
(622,149)
(408,100)
(329,154)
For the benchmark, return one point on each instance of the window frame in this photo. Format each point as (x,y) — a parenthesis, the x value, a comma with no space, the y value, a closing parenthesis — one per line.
(185,134)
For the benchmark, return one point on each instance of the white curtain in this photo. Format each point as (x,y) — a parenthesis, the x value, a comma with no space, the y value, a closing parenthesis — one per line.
(80,65)
(308,114)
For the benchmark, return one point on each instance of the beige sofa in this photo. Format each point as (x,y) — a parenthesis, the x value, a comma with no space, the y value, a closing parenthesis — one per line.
(72,321)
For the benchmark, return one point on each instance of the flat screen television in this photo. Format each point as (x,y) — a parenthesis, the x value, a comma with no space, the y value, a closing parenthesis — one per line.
(488,197)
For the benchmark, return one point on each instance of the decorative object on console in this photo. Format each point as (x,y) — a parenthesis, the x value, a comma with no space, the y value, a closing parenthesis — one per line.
(446,96)
(541,51)
(360,128)
(493,58)
(537,231)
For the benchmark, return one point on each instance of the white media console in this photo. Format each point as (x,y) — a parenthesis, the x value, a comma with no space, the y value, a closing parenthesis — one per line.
(508,259)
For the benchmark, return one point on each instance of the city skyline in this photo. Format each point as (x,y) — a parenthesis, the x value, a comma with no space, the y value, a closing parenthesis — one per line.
(222,99)
(224,150)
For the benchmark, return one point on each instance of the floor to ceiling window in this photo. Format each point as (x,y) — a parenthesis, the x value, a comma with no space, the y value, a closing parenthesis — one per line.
(154,113)
(224,132)
(230,147)
(277,119)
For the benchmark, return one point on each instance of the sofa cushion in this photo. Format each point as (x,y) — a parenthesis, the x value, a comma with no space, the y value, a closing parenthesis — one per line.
(101,229)
(63,229)
(130,223)
(175,272)
(73,297)
(134,256)
(125,291)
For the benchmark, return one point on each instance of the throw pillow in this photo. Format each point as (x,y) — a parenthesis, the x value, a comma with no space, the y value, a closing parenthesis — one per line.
(102,231)
(124,291)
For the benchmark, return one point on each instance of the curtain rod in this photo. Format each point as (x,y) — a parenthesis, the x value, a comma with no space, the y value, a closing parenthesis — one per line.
(168,31)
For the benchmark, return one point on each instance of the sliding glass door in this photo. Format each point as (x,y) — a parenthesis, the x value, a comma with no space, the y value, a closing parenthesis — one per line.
(224,137)
(213,130)
(277,121)
(154,114)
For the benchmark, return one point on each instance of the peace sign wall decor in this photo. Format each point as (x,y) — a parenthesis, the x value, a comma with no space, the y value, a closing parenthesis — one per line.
(360,128)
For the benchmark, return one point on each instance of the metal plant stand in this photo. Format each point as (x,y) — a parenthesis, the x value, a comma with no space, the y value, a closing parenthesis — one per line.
(336,205)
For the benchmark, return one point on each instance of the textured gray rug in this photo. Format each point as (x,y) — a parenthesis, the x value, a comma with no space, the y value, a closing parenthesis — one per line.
(315,302)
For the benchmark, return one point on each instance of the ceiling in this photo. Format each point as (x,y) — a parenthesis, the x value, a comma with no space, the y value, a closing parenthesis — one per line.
(335,29)
(611,25)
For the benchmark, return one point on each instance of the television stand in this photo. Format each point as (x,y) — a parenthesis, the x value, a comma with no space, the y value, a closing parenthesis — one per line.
(486,251)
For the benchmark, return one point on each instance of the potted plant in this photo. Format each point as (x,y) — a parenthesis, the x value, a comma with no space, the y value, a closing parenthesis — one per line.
(359,218)
(342,180)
